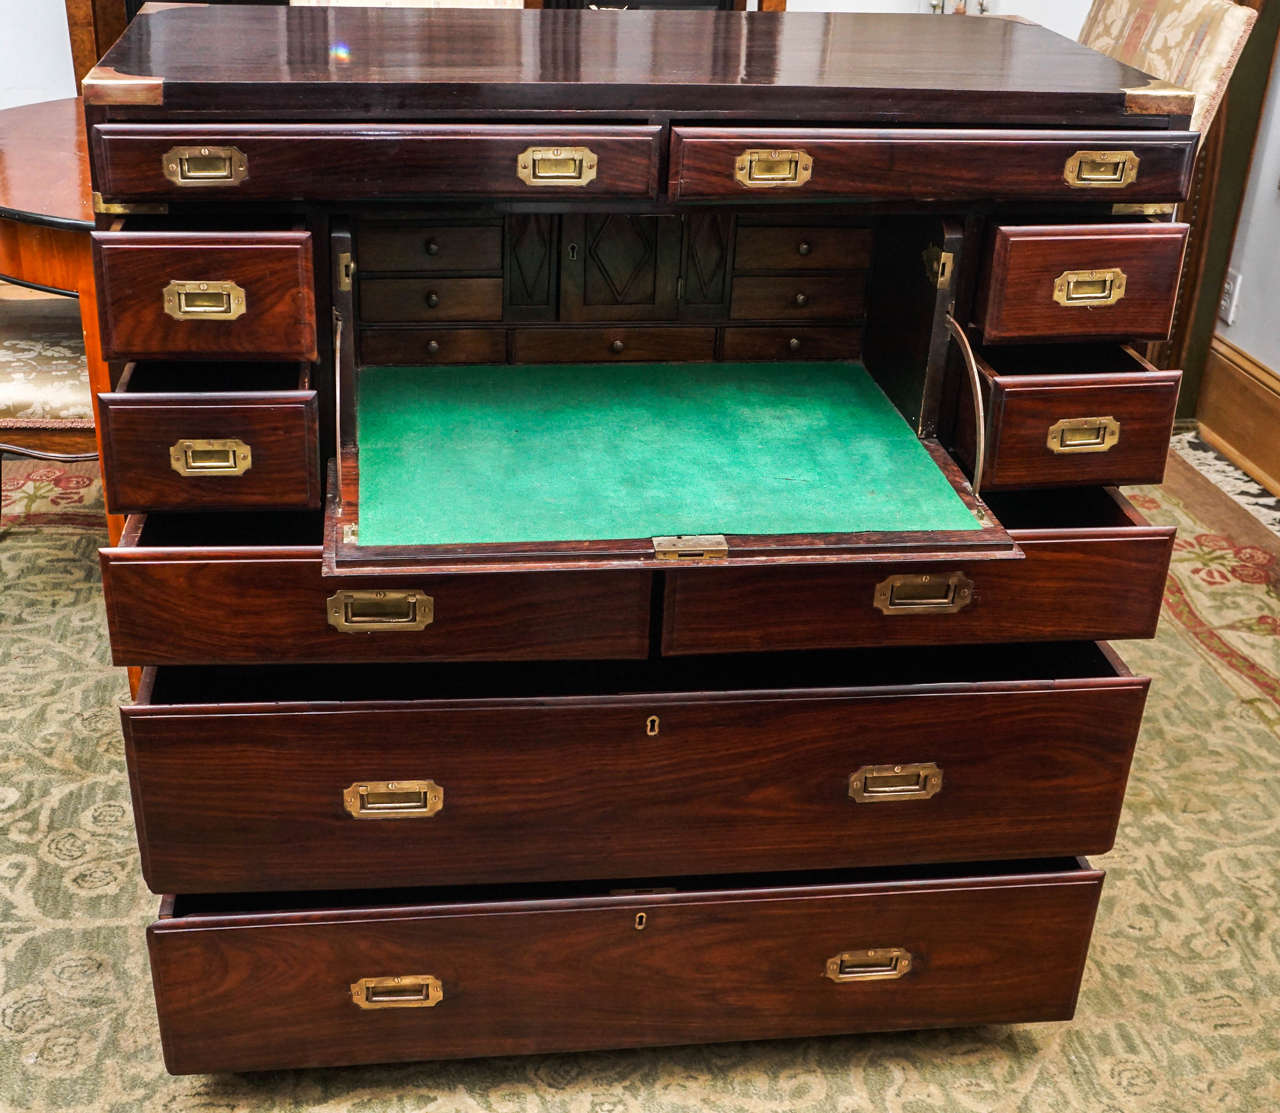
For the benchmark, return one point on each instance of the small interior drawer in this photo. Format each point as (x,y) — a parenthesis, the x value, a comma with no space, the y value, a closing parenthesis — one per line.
(1080,282)
(871,757)
(618,344)
(792,342)
(205,295)
(801,248)
(209,436)
(1068,415)
(799,297)
(430,248)
(430,299)
(614,964)
(433,345)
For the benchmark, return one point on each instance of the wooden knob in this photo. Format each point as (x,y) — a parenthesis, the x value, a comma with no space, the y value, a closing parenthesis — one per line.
(433,299)
(433,346)
(616,346)
(433,248)
(794,344)
(801,300)
(804,247)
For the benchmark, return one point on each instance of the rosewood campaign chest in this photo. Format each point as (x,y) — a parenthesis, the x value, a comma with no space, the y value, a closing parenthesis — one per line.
(623,517)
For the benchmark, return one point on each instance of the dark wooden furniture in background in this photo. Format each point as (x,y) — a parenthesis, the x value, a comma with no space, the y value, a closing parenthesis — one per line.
(609,791)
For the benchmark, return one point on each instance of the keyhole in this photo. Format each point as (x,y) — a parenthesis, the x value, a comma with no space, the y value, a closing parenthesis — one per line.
(641,920)
(573,252)
(652,725)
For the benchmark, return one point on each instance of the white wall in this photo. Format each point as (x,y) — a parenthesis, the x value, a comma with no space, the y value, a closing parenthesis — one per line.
(35,52)
(1063,16)
(1257,249)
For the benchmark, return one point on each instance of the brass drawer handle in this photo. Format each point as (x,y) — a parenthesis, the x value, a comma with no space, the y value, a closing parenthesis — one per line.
(873,784)
(403,991)
(205,166)
(197,457)
(1088,289)
(1083,434)
(557,166)
(204,301)
(1101,169)
(924,593)
(758,168)
(879,964)
(393,799)
(371,612)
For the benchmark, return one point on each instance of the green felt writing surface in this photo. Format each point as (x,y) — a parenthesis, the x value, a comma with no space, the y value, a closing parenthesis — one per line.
(567,452)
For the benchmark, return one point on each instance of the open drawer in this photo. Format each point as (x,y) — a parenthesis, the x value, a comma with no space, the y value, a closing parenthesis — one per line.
(197,436)
(1092,568)
(1068,415)
(339,978)
(361,776)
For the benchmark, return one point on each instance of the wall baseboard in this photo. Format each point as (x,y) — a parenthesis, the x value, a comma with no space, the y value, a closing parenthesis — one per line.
(1239,411)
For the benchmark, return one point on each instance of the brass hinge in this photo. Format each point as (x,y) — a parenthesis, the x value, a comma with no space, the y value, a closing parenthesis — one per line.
(125,208)
(346,270)
(702,546)
(938,265)
(350,533)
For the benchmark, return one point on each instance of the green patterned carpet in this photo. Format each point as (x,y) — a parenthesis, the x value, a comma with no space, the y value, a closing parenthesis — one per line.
(1180,1011)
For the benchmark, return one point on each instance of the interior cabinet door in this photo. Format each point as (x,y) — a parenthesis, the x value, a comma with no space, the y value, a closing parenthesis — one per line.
(619,267)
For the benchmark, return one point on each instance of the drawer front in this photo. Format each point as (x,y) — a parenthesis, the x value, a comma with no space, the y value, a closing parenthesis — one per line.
(217,451)
(801,248)
(664,785)
(452,249)
(206,295)
(805,342)
(728,965)
(620,343)
(315,161)
(1073,430)
(792,164)
(433,345)
(431,299)
(1081,281)
(1080,582)
(798,298)
(270,605)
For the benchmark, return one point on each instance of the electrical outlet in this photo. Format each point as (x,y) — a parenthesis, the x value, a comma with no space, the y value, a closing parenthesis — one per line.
(1230,303)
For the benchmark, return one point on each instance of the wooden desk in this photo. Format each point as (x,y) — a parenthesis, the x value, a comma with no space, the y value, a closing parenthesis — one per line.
(46,215)
(619,539)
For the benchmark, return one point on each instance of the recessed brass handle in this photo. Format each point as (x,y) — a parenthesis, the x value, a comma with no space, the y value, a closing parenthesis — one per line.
(1101,169)
(373,612)
(205,457)
(1090,289)
(874,784)
(205,166)
(393,799)
(1083,434)
(557,166)
(924,593)
(877,964)
(758,168)
(401,991)
(204,301)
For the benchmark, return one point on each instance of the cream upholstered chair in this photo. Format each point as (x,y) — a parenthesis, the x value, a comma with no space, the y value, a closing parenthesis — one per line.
(1191,43)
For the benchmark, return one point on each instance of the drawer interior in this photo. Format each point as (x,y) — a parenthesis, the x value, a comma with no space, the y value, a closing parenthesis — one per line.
(616,891)
(174,377)
(1062,359)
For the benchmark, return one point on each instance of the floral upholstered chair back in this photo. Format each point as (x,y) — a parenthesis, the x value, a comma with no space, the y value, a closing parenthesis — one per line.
(1191,43)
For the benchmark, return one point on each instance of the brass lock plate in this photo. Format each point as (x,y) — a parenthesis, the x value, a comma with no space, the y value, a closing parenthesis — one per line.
(877,964)
(701,546)
(204,301)
(373,612)
(205,166)
(194,457)
(760,168)
(1090,289)
(557,166)
(393,799)
(924,593)
(1083,434)
(1101,169)
(874,784)
(400,991)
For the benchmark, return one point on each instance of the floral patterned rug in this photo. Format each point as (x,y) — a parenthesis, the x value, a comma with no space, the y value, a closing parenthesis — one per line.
(1179,1013)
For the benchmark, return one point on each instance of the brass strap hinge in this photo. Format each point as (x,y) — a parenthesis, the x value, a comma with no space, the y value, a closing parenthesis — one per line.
(702,546)
(126,208)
